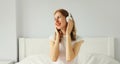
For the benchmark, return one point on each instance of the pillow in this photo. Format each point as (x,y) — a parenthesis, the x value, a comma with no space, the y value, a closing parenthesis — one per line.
(36,59)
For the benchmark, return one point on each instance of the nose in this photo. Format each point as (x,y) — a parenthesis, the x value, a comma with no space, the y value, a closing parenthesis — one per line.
(56,20)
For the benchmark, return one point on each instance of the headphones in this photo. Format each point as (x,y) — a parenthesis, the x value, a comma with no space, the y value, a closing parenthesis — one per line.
(69,17)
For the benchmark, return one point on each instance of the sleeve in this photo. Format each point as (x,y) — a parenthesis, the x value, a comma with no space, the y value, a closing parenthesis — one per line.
(78,38)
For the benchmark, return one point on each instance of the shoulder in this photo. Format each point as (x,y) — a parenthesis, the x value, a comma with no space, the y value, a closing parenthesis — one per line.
(78,40)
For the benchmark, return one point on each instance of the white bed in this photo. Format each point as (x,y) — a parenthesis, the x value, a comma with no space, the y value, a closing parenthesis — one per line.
(101,48)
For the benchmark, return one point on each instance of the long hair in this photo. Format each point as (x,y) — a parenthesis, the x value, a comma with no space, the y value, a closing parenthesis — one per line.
(73,32)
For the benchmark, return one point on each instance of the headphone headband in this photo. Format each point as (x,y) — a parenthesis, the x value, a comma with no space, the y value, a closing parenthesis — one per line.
(69,17)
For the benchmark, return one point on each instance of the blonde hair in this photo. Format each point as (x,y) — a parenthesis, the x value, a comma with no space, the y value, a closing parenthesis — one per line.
(73,32)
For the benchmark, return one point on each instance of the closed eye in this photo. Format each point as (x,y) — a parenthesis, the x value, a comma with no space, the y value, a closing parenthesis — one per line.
(57,17)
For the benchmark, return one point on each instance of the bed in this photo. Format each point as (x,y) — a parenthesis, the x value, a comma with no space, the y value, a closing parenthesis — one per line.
(94,50)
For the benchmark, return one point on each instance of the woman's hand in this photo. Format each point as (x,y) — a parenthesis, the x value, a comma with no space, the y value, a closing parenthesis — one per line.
(69,27)
(69,48)
(57,34)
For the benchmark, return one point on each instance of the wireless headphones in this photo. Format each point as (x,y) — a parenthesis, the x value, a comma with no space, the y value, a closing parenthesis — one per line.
(69,17)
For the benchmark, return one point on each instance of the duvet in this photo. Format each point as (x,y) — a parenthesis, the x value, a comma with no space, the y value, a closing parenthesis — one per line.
(86,59)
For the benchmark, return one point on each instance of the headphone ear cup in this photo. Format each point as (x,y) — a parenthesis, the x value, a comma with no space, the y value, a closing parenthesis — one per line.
(68,18)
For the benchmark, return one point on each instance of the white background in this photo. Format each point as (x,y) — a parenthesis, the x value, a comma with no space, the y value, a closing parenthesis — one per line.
(8,45)
(34,18)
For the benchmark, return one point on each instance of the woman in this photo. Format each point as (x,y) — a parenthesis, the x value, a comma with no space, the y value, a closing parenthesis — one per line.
(64,46)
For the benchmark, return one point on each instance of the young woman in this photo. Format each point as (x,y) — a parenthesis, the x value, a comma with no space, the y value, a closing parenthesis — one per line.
(65,44)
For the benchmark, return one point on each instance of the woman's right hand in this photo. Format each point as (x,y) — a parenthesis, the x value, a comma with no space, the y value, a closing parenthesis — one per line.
(57,34)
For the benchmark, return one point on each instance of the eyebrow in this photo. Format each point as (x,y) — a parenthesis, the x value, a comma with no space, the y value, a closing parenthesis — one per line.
(58,16)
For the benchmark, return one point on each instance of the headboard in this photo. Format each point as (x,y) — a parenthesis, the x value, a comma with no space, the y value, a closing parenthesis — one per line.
(35,46)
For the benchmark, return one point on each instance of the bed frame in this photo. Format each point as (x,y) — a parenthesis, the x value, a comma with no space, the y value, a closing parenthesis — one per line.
(36,46)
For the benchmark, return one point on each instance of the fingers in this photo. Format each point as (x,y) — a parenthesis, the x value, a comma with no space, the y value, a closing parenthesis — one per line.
(56,30)
(70,22)
(69,27)
(57,34)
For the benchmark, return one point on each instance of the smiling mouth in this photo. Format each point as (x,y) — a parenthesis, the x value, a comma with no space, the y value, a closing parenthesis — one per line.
(58,24)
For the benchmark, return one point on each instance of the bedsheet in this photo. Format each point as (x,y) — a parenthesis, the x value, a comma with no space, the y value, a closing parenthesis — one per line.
(88,59)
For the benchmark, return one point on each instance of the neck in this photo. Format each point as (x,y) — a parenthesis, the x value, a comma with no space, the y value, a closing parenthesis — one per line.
(63,31)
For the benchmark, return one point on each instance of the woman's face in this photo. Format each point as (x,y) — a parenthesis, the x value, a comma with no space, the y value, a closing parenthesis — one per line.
(60,20)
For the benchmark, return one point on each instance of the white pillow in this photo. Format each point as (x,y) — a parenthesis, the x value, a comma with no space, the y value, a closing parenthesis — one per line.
(36,59)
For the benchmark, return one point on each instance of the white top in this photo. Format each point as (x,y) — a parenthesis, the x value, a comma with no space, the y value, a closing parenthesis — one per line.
(62,48)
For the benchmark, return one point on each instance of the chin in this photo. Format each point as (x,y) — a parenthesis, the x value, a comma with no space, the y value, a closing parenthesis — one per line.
(58,27)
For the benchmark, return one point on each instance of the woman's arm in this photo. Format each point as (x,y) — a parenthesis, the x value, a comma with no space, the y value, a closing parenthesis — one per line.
(54,47)
(54,50)
(69,49)
(72,51)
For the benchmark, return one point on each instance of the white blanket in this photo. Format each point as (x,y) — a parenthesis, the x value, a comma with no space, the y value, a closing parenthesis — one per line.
(98,59)
(36,59)
(88,59)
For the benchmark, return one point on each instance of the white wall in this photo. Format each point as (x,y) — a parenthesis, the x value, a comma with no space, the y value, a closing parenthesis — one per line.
(8,30)
(93,18)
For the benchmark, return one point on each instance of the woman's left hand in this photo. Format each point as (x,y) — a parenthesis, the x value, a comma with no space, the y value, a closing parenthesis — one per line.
(69,27)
